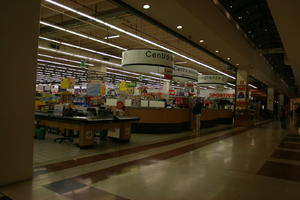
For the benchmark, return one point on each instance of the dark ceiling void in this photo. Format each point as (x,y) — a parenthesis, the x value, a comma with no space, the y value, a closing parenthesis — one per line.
(255,19)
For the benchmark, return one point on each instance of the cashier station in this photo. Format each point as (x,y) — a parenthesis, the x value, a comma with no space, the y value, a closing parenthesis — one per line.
(85,124)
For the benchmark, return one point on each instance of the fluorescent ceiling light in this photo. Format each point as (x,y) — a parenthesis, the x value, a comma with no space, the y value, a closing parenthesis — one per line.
(100,61)
(82,35)
(81,48)
(79,56)
(111,37)
(58,63)
(137,37)
(252,86)
(63,59)
(157,74)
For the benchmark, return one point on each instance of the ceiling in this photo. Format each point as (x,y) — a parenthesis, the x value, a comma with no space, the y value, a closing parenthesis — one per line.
(287,20)
(209,20)
(205,21)
(256,21)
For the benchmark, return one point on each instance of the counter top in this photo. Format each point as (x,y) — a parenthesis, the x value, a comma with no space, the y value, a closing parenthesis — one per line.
(80,119)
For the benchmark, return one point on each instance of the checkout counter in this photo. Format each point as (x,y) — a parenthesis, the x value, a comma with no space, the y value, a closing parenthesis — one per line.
(211,117)
(174,120)
(160,120)
(87,126)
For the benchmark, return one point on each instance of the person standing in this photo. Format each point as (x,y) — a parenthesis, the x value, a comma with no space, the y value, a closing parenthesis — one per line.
(197,114)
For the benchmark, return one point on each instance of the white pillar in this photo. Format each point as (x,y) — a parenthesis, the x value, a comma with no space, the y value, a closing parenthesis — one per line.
(19,34)
(270,99)
(165,89)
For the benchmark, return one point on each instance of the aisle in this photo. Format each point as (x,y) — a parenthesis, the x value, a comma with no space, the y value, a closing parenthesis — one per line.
(224,165)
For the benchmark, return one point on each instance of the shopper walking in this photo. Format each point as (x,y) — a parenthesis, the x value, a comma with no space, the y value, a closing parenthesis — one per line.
(284,118)
(197,114)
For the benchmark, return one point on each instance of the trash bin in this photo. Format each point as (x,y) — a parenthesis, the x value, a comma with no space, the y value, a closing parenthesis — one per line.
(40,133)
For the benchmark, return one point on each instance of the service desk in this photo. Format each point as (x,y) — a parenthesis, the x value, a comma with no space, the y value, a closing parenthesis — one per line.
(211,117)
(88,126)
(159,120)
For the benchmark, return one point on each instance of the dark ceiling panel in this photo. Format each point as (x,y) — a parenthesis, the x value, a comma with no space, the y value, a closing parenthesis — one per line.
(255,19)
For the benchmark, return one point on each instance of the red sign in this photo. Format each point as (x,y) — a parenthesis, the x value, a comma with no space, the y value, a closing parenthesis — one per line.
(172,92)
(221,95)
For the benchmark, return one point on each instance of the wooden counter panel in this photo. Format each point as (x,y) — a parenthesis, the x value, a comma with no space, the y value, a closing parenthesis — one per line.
(160,115)
(209,114)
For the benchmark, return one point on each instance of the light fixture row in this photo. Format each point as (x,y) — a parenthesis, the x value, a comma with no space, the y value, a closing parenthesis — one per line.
(137,37)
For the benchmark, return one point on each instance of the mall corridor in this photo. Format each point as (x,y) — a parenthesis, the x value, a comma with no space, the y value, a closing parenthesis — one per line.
(258,163)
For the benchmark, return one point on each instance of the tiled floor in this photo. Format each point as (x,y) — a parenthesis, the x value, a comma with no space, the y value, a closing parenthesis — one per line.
(47,151)
(227,165)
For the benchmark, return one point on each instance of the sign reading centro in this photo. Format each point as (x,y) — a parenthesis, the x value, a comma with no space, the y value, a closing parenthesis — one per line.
(183,74)
(147,60)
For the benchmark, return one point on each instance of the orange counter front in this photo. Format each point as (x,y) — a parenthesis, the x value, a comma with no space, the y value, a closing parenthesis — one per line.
(163,120)
(210,114)
(160,120)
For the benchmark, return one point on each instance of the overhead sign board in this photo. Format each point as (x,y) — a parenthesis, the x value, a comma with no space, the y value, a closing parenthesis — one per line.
(184,74)
(212,80)
(147,60)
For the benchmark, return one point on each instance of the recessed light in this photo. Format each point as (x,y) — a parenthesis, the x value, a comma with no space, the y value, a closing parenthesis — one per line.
(146,6)
(228,58)
(179,27)
(237,64)
(111,37)
(217,51)
(201,41)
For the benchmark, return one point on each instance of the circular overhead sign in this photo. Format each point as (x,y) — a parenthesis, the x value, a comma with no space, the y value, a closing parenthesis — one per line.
(183,74)
(147,60)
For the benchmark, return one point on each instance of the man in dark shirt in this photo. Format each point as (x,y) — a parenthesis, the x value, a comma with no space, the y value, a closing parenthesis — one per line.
(197,113)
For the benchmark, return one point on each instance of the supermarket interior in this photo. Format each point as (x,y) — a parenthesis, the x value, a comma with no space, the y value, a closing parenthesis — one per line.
(104,79)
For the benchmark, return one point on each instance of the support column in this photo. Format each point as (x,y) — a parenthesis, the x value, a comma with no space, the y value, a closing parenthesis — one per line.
(270,99)
(242,115)
(19,30)
(165,89)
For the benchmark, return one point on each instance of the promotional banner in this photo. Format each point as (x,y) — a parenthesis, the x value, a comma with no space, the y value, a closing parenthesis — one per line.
(242,95)
(68,83)
(93,88)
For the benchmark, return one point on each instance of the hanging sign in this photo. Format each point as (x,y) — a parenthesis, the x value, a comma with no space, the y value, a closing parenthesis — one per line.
(147,60)
(131,84)
(242,95)
(122,86)
(184,74)
(68,83)
(212,80)
(93,88)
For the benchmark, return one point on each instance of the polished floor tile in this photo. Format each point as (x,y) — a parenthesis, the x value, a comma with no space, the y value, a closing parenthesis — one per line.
(289,145)
(221,166)
(281,170)
(64,186)
(285,154)
(91,193)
